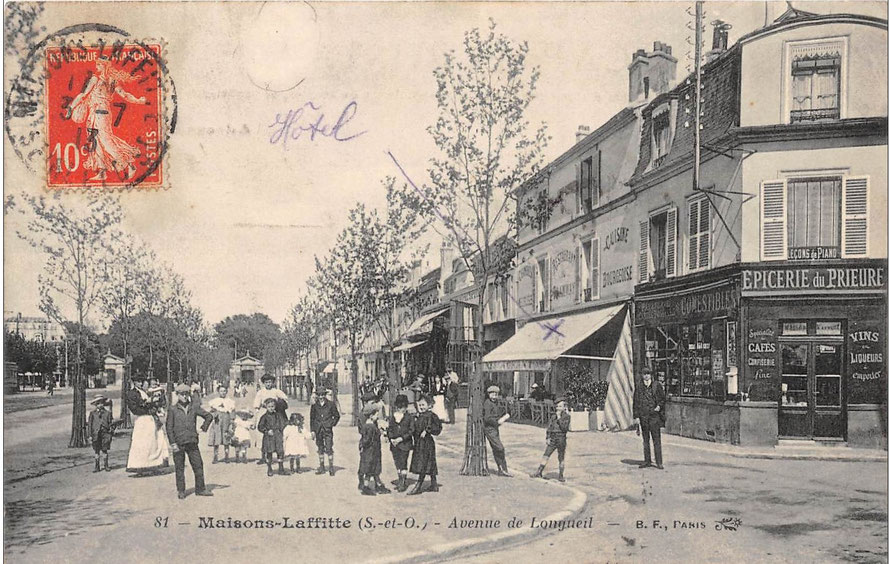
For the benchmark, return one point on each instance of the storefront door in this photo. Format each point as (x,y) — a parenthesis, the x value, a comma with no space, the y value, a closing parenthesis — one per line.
(811,399)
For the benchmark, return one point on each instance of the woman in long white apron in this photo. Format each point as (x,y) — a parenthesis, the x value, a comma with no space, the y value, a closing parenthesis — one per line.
(148,450)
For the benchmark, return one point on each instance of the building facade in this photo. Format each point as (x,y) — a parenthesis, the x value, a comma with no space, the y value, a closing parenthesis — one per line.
(761,291)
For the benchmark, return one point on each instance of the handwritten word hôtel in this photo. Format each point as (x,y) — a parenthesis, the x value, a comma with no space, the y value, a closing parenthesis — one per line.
(308,122)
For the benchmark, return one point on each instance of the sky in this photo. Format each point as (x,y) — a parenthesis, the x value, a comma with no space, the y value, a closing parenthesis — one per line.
(243,217)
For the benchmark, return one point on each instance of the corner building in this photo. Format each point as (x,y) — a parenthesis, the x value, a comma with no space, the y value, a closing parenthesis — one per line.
(761,296)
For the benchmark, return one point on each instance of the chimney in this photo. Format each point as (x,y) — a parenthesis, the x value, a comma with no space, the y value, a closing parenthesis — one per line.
(446,257)
(720,42)
(652,73)
(583,131)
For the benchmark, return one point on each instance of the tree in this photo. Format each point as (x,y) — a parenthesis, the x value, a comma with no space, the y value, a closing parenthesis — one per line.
(122,299)
(242,334)
(363,278)
(72,240)
(487,149)
(302,328)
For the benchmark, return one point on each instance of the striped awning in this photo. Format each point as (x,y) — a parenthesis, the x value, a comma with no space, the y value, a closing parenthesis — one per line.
(424,323)
(619,399)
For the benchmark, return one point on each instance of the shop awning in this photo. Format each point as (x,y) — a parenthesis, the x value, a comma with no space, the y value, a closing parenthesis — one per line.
(424,323)
(408,346)
(539,343)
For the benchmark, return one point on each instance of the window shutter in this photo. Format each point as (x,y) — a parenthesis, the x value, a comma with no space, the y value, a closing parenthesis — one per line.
(773,233)
(579,292)
(693,234)
(578,200)
(704,233)
(595,269)
(644,251)
(671,250)
(854,205)
(595,180)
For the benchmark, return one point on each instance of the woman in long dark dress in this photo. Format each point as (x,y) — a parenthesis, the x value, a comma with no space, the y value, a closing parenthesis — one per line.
(423,463)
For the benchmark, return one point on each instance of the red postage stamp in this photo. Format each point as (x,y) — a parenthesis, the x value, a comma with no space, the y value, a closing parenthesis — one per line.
(104,123)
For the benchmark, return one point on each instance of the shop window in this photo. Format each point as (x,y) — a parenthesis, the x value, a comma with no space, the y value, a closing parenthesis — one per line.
(699,234)
(658,246)
(815,88)
(813,218)
(794,374)
(683,359)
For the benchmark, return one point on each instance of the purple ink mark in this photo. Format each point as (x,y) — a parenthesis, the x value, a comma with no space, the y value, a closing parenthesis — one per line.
(552,328)
(309,118)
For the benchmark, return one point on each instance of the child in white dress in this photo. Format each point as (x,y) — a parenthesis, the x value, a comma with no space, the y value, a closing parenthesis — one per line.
(241,435)
(296,442)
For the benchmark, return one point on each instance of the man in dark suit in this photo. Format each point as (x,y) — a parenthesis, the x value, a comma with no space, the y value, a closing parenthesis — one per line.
(183,434)
(451,394)
(649,400)
(323,417)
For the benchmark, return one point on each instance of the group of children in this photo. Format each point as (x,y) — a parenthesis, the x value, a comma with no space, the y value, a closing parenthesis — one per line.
(406,433)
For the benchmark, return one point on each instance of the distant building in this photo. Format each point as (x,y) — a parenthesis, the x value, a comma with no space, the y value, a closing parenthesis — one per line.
(34,328)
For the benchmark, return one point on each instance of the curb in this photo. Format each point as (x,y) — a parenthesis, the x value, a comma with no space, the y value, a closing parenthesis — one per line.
(494,540)
(738,452)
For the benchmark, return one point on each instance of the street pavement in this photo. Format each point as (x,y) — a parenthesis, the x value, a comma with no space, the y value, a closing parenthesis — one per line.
(57,509)
(704,507)
(774,510)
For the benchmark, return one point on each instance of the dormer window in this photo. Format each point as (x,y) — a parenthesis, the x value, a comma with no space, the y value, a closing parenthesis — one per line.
(814,83)
(662,132)
(815,88)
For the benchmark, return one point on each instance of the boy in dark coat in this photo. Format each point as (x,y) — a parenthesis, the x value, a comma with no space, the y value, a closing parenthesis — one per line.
(401,438)
(369,452)
(323,417)
(101,427)
(557,428)
(423,463)
(493,416)
(273,435)
(183,434)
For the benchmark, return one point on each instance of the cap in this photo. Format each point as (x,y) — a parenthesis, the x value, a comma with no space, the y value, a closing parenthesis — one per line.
(99,400)
(266,377)
(270,401)
(368,410)
(535,385)
(182,389)
(493,389)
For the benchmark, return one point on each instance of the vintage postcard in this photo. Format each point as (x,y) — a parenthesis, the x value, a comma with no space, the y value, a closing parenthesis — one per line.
(445,281)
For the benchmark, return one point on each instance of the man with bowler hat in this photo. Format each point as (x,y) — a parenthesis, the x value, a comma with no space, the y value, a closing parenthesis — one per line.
(649,400)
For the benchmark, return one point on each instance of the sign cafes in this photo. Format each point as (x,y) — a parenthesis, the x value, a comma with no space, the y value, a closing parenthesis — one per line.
(719,300)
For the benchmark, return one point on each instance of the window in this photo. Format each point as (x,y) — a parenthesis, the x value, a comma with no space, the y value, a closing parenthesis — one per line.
(699,234)
(589,183)
(658,245)
(542,285)
(815,87)
(661,138)
(814,82)
(542,211)
(589,270)
(814,210)
(814,218)
(682,358)
(505,297)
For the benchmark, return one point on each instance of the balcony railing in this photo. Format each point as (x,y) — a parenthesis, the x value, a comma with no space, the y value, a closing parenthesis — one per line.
(798,116)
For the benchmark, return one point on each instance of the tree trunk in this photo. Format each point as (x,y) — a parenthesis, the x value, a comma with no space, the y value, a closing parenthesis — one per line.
(353,363)
(79,437)
(125,385)
(475,454)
